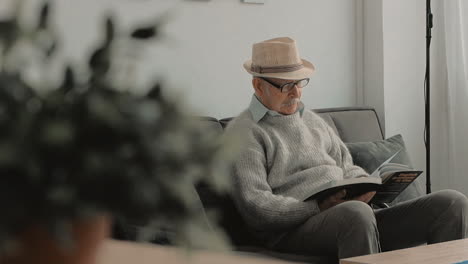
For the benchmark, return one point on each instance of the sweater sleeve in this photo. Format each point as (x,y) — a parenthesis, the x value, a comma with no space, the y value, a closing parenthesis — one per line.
(259,206)
(343,158)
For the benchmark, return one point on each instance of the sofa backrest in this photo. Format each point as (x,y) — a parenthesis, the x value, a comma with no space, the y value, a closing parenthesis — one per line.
(352,124)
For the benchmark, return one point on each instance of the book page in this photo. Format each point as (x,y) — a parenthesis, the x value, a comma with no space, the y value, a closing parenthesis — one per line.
(376,173)
(392,167)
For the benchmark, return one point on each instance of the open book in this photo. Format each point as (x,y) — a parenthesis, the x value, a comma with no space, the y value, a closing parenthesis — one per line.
(388,180)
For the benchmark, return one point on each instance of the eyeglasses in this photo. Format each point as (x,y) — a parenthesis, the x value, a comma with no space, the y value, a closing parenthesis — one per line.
(287,87)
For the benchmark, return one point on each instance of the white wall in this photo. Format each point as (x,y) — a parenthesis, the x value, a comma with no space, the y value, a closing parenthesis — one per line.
(394,65)
(219,38)
(376,44)
(206,43)
(404,68)
(373,53)
(439,136)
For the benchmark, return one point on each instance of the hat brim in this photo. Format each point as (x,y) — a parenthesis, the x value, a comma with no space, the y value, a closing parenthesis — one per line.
(305,72)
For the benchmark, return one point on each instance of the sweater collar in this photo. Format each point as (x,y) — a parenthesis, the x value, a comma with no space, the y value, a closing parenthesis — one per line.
(258,110)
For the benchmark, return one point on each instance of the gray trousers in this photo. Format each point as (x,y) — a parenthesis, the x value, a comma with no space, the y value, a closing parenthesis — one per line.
(353,228)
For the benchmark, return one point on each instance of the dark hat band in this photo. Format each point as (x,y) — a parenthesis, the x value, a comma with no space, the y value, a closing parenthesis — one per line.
(277,69)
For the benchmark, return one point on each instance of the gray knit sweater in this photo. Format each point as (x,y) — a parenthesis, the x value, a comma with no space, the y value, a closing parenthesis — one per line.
(283,159)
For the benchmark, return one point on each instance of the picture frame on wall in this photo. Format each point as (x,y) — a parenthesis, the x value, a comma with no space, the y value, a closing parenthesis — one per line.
(253,1)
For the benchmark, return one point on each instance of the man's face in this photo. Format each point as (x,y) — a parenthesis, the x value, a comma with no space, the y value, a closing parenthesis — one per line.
(284,103)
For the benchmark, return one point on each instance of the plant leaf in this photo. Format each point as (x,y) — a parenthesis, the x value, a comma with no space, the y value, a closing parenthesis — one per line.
(110,30)
(68,79)
(44,16)
(144,32)
(99,62)
(52,49)
(8,32)
(155,92)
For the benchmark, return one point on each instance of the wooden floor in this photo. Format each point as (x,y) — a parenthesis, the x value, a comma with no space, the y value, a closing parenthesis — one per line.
(118,252)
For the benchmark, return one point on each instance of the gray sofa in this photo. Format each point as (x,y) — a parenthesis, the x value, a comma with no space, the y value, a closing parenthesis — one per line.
(352,124)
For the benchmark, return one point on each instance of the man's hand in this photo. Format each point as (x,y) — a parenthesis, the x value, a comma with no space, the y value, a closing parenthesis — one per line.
(364,197)
(332,200)
(337,198)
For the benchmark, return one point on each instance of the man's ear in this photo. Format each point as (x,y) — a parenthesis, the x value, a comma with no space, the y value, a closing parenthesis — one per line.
(257,85)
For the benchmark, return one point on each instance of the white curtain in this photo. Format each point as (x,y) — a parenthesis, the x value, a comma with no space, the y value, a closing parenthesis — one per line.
(454,127)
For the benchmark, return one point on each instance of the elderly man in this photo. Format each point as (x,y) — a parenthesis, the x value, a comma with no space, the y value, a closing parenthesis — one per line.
(291,150)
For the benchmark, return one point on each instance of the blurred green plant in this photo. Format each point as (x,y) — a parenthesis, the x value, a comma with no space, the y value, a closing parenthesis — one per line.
(86,146)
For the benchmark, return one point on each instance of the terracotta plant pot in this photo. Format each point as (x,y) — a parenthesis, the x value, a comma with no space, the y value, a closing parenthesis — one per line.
(39,247)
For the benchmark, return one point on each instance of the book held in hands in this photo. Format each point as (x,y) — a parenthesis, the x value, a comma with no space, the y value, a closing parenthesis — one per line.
(388,180)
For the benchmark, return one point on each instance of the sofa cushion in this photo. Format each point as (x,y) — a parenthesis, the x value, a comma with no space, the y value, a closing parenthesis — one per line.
(222,205)
(369,155)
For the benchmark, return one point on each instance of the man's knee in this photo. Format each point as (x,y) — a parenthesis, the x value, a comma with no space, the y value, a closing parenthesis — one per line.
(357,214)
(356,232)
(453,200)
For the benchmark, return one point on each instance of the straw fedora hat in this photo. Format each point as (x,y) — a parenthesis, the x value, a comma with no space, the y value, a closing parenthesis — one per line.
(278,58)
